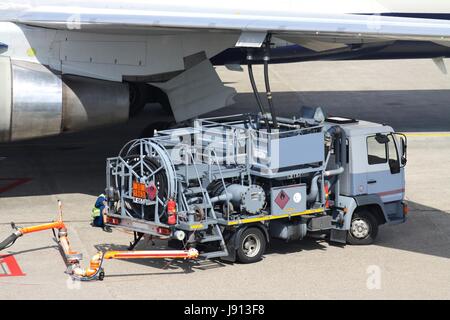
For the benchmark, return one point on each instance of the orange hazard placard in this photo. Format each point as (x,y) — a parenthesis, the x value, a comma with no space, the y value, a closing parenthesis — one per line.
(139,190)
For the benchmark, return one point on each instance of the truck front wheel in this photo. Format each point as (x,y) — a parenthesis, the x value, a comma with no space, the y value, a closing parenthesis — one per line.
(363,228)
(252,244)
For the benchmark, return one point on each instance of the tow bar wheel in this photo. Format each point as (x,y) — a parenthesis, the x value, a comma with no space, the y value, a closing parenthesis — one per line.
(252,245)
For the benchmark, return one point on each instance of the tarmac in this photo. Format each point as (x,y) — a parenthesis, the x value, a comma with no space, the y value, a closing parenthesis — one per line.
(408,261)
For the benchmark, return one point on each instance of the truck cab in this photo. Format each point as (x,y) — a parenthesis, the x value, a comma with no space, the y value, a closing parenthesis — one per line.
(372,185)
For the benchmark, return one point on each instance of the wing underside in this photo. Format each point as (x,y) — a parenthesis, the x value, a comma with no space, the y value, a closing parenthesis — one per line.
(120,57)
(312,26)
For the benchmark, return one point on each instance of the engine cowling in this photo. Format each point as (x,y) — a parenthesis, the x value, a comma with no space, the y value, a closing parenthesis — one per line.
(36,102)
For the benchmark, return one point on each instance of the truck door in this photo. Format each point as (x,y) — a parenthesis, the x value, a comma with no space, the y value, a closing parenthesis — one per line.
(385,173)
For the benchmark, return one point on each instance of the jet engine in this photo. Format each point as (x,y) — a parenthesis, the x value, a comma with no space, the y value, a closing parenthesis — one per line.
(36,102)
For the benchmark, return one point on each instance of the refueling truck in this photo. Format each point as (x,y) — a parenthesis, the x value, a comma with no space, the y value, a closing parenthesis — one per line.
(226,186)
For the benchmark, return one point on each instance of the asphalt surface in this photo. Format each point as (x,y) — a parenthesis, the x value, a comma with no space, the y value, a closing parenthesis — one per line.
(408,261)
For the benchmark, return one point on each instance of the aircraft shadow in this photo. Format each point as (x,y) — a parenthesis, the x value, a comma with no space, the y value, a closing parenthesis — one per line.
(405,110)
(75,163)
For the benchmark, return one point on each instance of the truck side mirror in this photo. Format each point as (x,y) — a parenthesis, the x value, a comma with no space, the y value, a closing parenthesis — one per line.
(403,159)
(404,147)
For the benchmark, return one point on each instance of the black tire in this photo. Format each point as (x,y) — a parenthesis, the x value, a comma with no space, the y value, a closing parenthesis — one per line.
(360,236)
(249,255)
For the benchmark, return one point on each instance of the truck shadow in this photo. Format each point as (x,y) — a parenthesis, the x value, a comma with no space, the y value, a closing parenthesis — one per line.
(168,266)
(426,232)
(277,246)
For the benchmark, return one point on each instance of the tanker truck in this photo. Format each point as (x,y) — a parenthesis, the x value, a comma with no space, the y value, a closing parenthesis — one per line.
(228,185)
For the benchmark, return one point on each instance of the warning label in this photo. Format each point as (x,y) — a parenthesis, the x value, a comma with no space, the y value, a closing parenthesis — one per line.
(282,199)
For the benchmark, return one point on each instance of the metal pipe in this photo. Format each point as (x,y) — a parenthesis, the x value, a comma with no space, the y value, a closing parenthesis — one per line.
(343,148)
(222,197)
(312,195)
(193,200)
(340,143)
(334,172)
(285,121)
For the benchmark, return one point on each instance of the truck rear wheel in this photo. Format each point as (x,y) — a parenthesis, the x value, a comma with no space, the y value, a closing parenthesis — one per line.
(363,228)
(252,245)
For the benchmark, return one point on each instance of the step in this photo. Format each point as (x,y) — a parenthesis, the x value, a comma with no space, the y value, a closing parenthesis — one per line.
(214,254)
(211,239)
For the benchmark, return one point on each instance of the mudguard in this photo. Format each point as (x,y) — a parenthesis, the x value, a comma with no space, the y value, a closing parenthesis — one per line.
(233,241)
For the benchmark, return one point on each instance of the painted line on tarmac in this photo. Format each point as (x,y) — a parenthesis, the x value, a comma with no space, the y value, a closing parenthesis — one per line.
(428,134)
(14,184)
(10,267)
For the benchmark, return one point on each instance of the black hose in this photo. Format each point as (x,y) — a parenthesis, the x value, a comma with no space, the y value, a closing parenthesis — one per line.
(267,82)
(255,92)
(9,241)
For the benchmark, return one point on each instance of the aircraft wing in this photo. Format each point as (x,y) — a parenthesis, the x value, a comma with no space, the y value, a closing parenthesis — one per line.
(193,88)
(283,24)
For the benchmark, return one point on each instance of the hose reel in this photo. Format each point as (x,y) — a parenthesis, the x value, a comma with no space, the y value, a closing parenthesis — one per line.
(146,165)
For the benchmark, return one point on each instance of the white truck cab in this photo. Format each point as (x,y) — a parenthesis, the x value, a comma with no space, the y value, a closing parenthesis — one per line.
(372,186)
